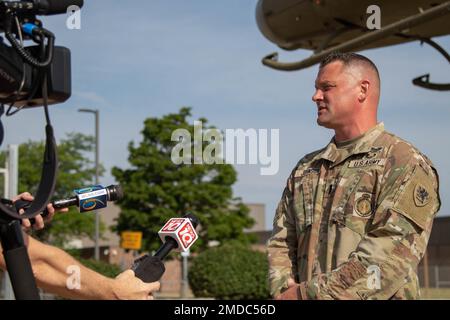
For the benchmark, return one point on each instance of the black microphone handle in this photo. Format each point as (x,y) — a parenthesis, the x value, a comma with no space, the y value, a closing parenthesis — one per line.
(57,204)
(148,268)
(151,268)
(65,203)
(165,249)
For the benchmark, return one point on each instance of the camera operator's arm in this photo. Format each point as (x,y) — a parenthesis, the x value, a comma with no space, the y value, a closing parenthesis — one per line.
(59,273)
(56,271)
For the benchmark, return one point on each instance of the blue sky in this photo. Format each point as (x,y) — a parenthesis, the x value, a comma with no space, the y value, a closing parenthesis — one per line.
(138,59)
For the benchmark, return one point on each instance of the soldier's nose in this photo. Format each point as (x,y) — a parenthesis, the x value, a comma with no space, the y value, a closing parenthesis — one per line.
(317,96)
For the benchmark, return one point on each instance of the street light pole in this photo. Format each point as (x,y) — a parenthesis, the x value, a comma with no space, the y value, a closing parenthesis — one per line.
(97,174)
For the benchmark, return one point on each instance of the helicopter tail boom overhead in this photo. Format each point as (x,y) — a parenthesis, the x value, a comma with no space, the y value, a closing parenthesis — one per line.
(336,26)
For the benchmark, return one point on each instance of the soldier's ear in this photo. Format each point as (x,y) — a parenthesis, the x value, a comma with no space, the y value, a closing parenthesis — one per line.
(364,90)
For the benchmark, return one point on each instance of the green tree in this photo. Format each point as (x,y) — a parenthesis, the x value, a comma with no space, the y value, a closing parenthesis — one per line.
(75,171)
(156,189)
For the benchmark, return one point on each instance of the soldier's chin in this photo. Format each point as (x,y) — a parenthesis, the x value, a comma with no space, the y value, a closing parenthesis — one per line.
(324,123)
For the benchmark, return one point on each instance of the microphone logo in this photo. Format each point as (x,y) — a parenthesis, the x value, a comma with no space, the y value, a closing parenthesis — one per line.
(91,204)
(187,235)
(92,198)
(172,225)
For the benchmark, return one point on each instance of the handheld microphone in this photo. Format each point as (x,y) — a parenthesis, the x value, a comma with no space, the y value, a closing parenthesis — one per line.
(40,7)
(87,199)
(91,198)
(178,234)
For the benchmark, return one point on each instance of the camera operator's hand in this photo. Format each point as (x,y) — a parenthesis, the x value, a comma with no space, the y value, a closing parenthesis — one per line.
(126,286)
(39,220)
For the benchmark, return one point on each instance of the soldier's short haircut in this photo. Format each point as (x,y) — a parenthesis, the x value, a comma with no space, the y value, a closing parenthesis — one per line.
(348,59)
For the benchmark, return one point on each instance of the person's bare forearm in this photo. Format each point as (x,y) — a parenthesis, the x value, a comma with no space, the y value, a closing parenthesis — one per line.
(58,272)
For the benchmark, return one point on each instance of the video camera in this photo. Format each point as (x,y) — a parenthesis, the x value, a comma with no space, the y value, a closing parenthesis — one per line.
(30,76)
(22,68)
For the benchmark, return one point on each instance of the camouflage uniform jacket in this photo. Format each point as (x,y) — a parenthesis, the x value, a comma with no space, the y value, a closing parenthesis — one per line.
(354,220)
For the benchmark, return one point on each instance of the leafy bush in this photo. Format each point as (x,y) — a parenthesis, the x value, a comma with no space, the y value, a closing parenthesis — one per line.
(230,272)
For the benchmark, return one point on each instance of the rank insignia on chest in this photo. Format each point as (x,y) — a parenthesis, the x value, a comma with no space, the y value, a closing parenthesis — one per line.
(421,195)
(363,205)
(374,152)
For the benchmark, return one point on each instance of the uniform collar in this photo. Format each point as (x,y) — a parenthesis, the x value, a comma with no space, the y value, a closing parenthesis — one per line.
(361,144)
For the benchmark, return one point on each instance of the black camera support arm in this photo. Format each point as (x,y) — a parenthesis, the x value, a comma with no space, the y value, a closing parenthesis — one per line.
(14,248)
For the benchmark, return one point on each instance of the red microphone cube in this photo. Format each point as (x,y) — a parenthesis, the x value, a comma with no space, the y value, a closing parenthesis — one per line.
(181,230)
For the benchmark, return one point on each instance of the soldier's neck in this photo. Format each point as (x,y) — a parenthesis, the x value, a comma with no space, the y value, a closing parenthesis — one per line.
(353,131)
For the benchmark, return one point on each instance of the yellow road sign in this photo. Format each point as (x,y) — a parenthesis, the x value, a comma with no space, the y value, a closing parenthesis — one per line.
(131,240)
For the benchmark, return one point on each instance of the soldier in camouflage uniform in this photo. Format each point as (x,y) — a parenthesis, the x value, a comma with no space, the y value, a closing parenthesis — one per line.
(355,217)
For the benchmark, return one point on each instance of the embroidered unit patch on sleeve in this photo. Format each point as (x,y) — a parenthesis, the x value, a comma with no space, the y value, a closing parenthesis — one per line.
(417,199)
(421,195)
